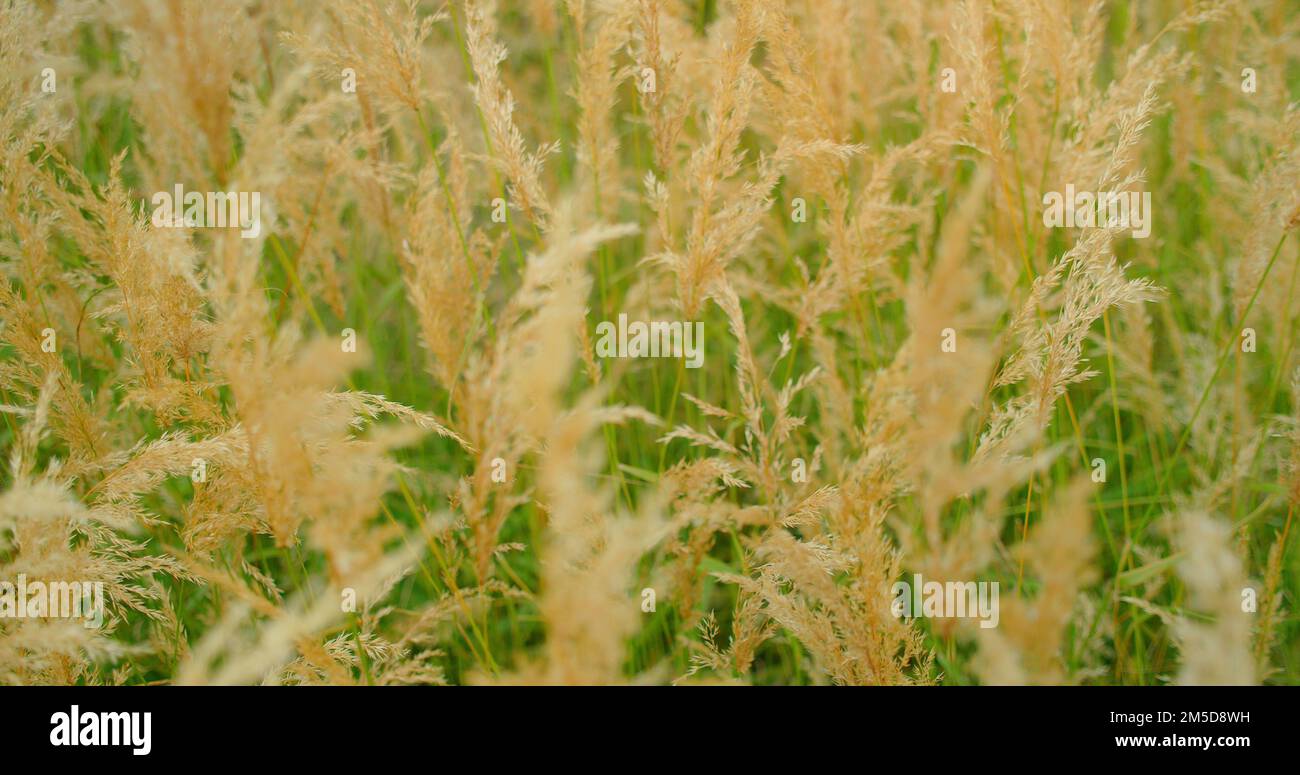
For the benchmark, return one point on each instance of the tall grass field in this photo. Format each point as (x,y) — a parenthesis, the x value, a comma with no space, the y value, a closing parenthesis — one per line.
(770,342)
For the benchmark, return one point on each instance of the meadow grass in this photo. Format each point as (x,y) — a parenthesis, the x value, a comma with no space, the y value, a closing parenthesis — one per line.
(823,341)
